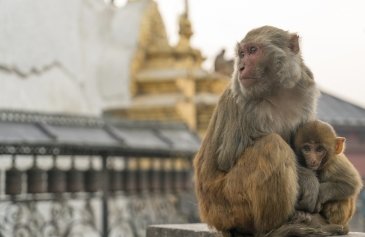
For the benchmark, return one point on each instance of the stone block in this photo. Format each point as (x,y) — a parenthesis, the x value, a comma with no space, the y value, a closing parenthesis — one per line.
(196,230)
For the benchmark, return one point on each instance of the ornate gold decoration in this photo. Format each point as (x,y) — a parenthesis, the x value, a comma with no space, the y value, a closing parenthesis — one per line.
(185,29)
(169,83)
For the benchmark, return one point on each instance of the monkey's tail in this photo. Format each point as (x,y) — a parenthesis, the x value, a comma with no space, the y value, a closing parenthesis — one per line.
(295,230)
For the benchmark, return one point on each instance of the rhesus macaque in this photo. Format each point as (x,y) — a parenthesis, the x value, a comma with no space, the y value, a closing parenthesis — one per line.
(245,171)
(319,149)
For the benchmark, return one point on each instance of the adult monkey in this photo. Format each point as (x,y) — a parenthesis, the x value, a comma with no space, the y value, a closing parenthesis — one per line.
(246,174)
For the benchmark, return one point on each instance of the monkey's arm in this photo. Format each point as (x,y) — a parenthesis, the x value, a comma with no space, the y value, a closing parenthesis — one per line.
(332,191)
(308,189)
(340,181)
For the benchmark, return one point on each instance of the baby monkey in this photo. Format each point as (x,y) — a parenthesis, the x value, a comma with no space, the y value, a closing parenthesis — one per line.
(321,150)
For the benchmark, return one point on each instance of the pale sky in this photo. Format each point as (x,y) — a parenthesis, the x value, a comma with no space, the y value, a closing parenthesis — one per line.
(332,34)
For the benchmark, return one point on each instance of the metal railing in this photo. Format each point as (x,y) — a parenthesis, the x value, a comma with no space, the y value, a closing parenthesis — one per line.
(100,178)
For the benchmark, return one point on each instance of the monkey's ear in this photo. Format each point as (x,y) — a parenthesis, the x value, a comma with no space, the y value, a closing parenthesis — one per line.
(340,145)
(294,43)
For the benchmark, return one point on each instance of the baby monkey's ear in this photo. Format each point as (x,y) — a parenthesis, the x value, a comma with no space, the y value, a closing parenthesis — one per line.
(340,145)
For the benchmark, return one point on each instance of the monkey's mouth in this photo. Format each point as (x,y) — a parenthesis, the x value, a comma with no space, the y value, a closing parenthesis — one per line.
(248,82)
(313,167)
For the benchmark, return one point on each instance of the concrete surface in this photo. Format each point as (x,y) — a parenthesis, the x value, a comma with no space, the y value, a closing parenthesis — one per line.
(196,230)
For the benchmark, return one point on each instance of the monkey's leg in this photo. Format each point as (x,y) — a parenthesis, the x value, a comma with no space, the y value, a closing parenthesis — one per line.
(339,212)
(264,177)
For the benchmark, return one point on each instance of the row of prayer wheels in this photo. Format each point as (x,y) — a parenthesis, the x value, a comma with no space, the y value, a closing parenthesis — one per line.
(59,181)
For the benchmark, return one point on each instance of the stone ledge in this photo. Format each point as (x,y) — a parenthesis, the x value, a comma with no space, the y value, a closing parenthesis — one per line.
(197,230)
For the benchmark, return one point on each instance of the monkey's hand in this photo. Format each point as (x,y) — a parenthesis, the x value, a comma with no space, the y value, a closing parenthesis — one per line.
(319,205)
(308,190)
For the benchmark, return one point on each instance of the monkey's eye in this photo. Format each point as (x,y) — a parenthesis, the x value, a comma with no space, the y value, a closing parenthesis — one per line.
(320,149)
(241,54)
(252,50)
(306,148)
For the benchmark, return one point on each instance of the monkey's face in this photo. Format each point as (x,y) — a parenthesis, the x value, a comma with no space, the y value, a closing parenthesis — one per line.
(252,77)
(313,154)
(267,60)
(249,57)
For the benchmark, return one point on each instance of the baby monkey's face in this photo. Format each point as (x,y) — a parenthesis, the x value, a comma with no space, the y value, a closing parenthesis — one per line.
(313,154)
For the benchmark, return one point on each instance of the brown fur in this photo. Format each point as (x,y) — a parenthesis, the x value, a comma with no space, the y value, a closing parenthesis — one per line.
(340,182)
(245,171)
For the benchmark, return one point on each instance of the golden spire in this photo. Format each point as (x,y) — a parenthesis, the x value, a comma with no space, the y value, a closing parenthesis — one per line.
(186,7)
(185,30)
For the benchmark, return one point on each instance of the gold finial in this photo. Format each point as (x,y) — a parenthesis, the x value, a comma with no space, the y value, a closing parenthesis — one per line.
(185,31)
(186,8)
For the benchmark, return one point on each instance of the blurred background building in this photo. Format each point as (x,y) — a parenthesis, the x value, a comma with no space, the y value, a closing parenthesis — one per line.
(100,89)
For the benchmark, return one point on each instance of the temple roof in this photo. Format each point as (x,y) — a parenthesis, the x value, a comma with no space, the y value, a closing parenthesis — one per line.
(46,134)
(339,112)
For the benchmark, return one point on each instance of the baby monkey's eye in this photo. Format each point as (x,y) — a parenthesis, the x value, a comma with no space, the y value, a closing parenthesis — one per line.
(320,149)
(306,148)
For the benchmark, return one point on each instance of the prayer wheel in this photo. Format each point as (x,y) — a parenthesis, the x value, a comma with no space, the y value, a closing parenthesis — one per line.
(114,177)
(130,180)
(186,179)
(13,180)
(115,180)
(142,180)
(93,180)
(154,181)
(56,179)
(179,181)
(164,180)
(36,179)
(74,179)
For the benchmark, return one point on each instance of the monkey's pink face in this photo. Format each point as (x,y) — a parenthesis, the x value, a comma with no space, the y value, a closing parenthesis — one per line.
(249,56)
(313,154)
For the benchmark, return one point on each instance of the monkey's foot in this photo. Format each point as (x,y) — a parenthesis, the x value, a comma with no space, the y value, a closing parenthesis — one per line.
(335,229)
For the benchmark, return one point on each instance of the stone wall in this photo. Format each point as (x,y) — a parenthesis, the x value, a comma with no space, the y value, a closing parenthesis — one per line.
(70,56)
